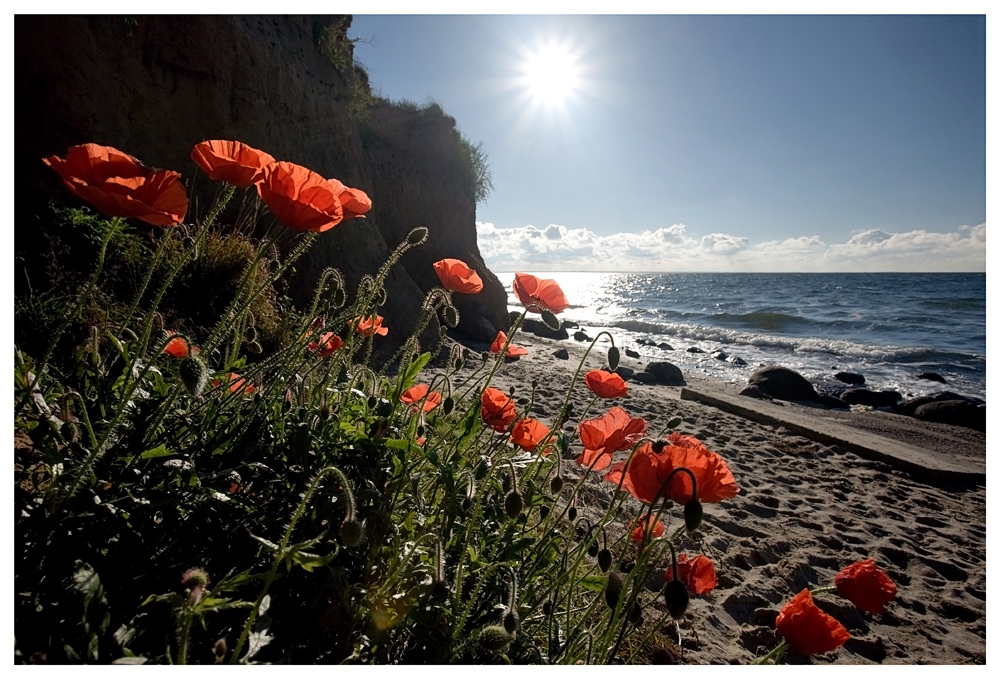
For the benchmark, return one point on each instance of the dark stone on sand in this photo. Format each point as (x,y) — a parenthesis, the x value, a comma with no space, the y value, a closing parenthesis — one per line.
(666,373)
(933,377)
(633,354)
(561,353)
(539,329)
(828,401)
(849,378)
(783,383)
(867,397)
(644,378)
(646,342)
(695,350)
(720,354)
(581,336)
(753,391)
(664,346)
(909,406)
(736,360)
(959,413)
(570,325)
(625,372)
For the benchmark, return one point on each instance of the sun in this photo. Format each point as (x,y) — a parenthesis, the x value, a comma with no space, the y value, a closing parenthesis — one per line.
(551,75)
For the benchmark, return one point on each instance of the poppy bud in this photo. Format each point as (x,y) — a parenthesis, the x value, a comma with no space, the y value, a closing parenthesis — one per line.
(547,608)
(692,515)
(613,357)
(459,363)
(219,649)
(556,484)
(543,511)
(494,638)
(351,532)
(451,316)
(513,504)
(466,503)
(481,469)
(417,236)
(572,513)
(673,422)
(613,589)
(485,356)
(592,550)
(372,401)
(384,408)
(604,559)
(70,431)
(255,348)
(251,334)
(339,298)
(194,374)
(448,405)
(549,319)
(511,621)
(676,595)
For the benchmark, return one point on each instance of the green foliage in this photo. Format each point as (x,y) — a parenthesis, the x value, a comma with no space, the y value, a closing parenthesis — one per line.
(477,163)
(300,512)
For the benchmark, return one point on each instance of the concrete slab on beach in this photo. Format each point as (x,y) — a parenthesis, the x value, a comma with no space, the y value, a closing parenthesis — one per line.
(918,461)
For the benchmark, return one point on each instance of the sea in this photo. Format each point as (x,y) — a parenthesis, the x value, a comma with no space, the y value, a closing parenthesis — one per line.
(889,327)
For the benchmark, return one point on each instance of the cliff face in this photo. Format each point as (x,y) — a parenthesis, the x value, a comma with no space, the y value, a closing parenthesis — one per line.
(155,86)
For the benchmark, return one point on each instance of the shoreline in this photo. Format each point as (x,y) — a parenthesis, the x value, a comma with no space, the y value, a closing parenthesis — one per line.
(805,511)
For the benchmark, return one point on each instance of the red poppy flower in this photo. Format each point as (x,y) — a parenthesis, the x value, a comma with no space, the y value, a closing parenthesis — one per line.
(649,470)
(415,394)
(698,574)
(328,343)
(120,186)
(299,198)
(231,161)
(371,325)
(539,293)
(641,525)
(177,347)
(528,433)
(513,350)
(866,586)
(235,383)
(605,384)
(614,430)
(455,275)
(807,629)
(498,409)
(354,202)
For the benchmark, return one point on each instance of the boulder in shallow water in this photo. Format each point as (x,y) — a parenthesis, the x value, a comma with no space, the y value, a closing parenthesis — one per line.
(909,406)
(719,354)
(633,354)
(867,397)
(664,346)
(959,413)
(783,383)
(539,329)
(736,360)
(581,336)
(933,377)
(666,373)
(695,350)
(849,378)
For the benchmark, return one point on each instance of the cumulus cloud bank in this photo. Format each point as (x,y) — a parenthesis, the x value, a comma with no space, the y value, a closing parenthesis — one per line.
(674,248)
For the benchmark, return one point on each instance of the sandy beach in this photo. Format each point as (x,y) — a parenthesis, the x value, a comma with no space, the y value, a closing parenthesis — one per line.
(805,511)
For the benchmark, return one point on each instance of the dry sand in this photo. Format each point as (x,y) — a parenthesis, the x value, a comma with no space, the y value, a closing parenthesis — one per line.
(805,511)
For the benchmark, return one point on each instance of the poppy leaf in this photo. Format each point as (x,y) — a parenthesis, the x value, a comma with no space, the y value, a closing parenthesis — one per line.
(550,320)
(158,451)
(410,377)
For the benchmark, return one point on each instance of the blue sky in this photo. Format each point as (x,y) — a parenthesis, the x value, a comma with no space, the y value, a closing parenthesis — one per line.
(709,143)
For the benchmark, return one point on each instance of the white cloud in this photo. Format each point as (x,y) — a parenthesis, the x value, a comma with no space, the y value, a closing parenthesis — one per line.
(674,248)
